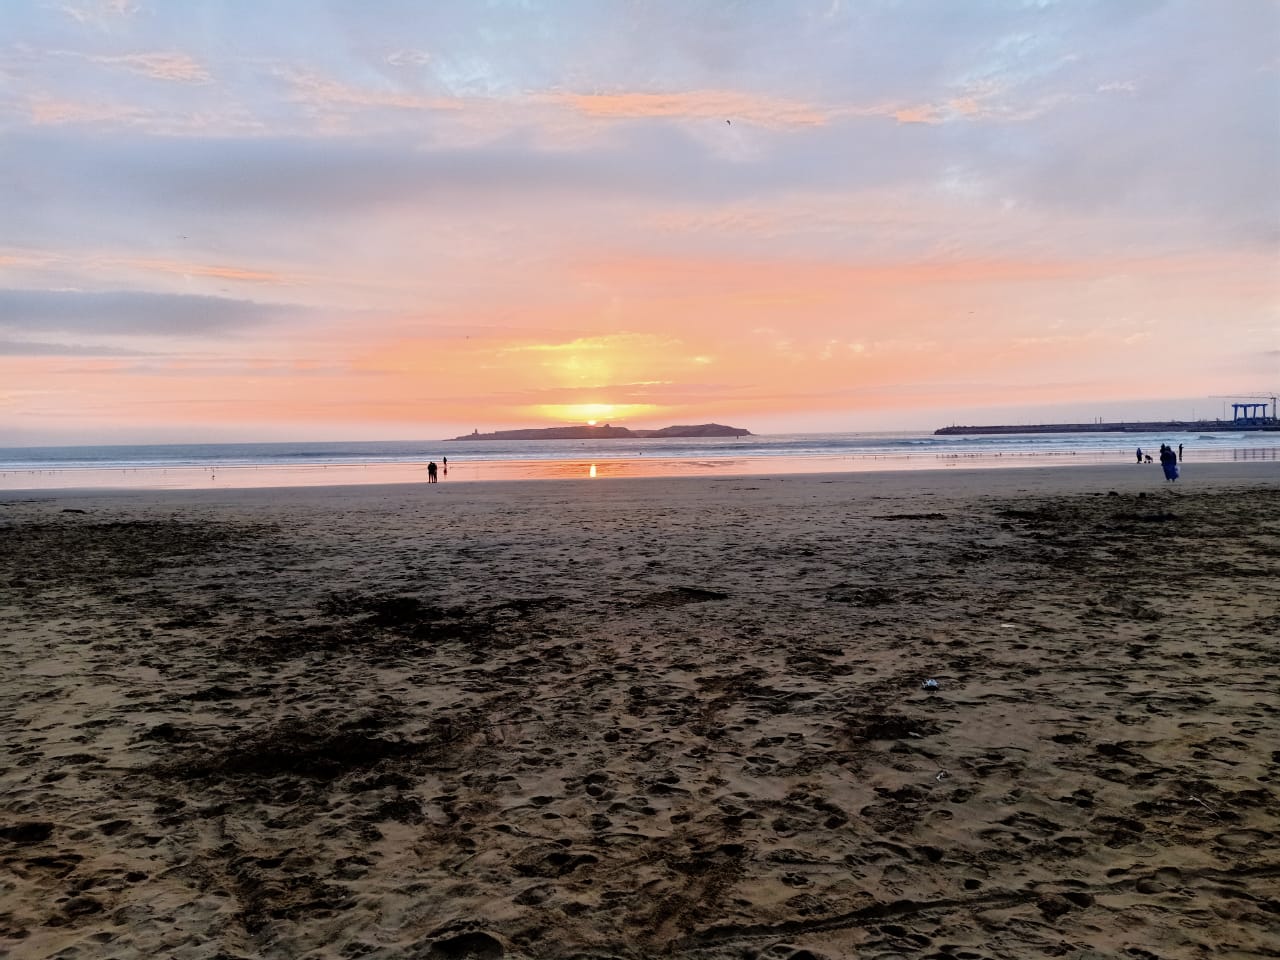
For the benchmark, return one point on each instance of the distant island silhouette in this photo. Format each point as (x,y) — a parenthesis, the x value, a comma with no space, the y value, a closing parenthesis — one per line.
(607,432)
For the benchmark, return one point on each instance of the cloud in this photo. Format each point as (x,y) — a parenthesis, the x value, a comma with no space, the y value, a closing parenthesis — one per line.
(29,258)
(96,263)
(55,111)
(268,177)
(189,269)
(316,90)
(408,58)
(985,103)
(609,342)
(693,105)
(129,312)
(174,67)
(921,114)
(100,12)
(32,348)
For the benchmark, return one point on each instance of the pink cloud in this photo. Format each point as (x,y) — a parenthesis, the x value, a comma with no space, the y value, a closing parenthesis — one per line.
(694,105)
(52,111)
(173,67)
(321,91)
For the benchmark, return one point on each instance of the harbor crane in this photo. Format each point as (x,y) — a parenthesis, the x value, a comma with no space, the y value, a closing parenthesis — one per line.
(1251,413)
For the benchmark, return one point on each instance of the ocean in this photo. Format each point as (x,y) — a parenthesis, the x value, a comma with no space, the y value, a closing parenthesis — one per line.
(232,465)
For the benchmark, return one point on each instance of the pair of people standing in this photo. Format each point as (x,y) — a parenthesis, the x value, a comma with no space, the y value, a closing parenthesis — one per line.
(1169,460)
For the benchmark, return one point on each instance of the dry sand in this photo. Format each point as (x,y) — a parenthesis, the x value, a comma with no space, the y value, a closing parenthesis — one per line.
(646,718)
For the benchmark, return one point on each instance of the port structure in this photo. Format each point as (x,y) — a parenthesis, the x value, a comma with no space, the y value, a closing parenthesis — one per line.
(1251,414)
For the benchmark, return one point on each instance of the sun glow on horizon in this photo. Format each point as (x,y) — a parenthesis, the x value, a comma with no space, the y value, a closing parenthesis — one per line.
(594,413)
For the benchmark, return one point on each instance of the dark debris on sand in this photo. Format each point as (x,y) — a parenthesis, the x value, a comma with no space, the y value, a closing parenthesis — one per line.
(888,726)
(390,627)
(102,551)
(319,749)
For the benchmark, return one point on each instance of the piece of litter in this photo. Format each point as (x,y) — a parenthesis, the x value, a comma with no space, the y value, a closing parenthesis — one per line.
(929,685)
(942,775)
(1207,807)
(1008,626)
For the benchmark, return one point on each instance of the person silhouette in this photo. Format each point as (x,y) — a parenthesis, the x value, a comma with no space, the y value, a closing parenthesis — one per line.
(431,472)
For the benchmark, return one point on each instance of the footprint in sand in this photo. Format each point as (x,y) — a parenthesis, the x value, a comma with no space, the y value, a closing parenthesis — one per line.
(1163,880)
(464,946)
(549,860)
(786,951)
(1242,839)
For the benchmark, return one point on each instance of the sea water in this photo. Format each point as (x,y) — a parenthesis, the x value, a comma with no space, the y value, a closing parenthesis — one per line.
(354,462)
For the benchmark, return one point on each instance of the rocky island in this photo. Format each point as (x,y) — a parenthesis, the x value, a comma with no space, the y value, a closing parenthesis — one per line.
(607,432)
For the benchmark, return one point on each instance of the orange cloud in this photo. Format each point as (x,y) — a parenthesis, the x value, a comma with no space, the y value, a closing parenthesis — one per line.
(185,268)
(981,102)
(922,114)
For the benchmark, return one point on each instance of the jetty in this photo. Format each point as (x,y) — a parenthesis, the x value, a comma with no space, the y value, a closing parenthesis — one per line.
(1141,426)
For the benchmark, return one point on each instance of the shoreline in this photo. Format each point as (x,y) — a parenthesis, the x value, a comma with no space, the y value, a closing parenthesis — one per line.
(69,480)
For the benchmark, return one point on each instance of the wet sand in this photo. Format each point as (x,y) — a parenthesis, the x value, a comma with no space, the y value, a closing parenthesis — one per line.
(642,718)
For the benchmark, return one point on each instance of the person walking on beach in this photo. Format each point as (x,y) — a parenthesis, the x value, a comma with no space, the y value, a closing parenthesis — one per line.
(431,472)
(1139,454)
(445,462)
(1179,453)
(1168,462)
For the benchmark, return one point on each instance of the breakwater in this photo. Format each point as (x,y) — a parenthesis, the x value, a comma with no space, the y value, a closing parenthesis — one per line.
(1146,426)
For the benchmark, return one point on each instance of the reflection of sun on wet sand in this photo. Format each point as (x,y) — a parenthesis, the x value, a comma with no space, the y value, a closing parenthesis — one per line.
(651,717)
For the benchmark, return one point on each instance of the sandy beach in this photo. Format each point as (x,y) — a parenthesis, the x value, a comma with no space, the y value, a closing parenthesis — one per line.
(640,718)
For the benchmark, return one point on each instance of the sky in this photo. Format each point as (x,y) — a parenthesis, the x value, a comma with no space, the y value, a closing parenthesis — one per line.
(312,219)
